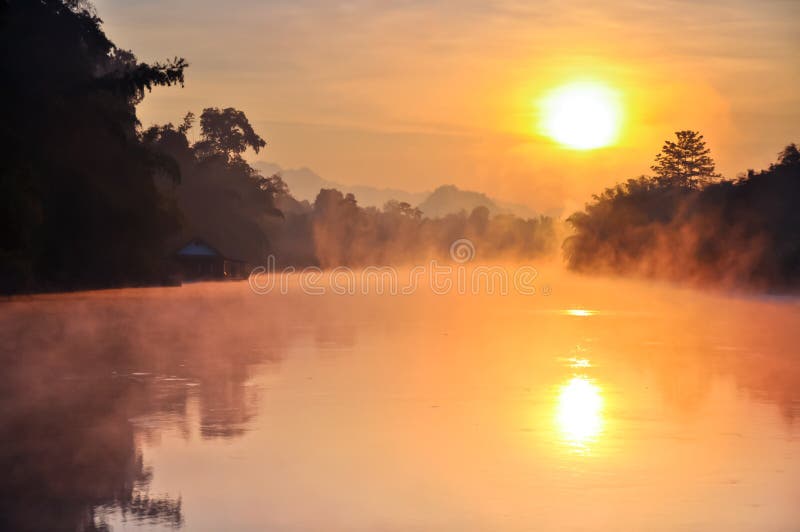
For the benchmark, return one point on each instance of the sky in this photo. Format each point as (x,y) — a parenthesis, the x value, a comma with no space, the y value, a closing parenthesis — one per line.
(413,94)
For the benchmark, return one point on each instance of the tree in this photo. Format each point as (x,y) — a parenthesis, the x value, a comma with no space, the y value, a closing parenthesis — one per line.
(79,206)
(186,125)
(686,162)
(227,133)
(273,185)
(402,208)
(221,197)
(789,156)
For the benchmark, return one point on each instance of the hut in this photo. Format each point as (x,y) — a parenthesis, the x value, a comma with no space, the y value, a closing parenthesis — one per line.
(197,259)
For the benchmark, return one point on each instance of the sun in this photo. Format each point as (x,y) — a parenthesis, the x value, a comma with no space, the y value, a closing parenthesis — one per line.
(582,115)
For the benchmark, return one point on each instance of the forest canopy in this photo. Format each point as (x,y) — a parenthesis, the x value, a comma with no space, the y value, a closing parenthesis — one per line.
(89,198)
(79,203)
(685,223)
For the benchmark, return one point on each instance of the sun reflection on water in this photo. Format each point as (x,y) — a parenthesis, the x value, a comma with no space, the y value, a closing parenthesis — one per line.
(579,312)
(576,362)
(579,413)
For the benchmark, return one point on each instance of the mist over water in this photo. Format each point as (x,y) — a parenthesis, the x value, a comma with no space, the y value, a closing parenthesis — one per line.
(422,362)
(605,404)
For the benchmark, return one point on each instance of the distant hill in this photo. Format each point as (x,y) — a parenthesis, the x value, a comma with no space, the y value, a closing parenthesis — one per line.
(449,199)
(305,184)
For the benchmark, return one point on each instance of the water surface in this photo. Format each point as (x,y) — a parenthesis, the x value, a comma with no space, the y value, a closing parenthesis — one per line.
(603,406)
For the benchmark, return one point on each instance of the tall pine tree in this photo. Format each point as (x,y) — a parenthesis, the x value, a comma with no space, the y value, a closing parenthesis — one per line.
(686,162)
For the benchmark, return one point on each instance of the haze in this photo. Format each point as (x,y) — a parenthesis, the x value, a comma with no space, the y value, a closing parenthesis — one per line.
(416,94)
(399,266)
(606,405)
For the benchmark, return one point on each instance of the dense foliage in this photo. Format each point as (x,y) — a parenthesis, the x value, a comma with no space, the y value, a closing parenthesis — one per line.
(738,233)
(88,199)
(249,216)
(78,202)
(221,198)
(340,232)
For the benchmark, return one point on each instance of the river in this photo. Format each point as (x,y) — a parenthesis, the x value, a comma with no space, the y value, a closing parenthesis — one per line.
(592,405)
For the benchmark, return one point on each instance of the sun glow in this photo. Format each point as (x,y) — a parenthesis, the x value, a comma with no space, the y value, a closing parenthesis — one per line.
(579,312)
(579,412)
(582,115)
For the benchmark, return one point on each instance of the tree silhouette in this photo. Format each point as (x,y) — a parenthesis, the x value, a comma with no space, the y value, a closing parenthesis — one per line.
(79,206)
(402,208)
(743,233)
(221,197)
(227,133)
(789,156)
(273,185)
(686,162)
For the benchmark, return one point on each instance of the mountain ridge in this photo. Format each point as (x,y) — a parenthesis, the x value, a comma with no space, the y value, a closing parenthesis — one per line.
(305,184)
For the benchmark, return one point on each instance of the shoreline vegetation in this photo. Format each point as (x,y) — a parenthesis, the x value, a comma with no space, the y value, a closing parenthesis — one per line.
(91,199)
(687,225)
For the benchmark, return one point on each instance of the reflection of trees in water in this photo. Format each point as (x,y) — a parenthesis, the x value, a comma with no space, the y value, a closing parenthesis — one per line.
(776,381)
(772,378)
(226,404)
(68,450)
(77,372)
(139,505)
(750,343)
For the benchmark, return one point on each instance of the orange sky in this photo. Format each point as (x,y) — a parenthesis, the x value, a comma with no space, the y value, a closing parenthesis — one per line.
(413,94)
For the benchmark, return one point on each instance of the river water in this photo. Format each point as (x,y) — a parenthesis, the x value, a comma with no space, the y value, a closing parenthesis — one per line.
(603,405)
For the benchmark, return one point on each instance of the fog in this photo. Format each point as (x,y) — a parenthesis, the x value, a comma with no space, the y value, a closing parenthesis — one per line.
(207,351)
(97,386)
(738,235)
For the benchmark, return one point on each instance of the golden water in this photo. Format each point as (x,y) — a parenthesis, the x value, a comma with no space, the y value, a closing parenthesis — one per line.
(606,405)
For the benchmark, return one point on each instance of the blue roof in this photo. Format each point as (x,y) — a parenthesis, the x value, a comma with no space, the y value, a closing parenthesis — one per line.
(197,248)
